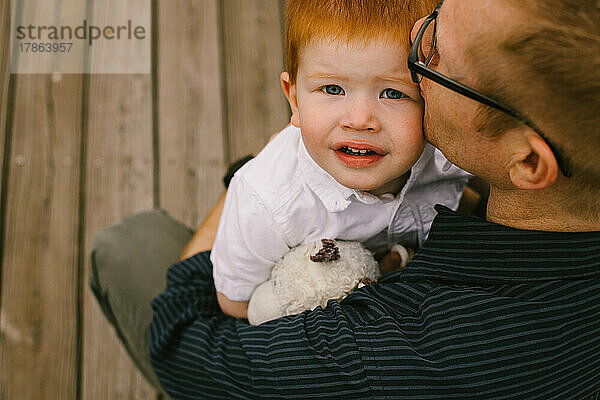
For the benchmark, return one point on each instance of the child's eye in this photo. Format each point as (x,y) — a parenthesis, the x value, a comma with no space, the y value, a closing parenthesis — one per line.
(393,94)
(333,90)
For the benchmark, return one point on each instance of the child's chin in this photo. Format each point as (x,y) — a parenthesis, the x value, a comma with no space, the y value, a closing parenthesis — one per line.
(358,184)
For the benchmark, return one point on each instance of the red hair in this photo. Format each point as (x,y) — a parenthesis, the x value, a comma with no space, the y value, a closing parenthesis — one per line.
(348,20)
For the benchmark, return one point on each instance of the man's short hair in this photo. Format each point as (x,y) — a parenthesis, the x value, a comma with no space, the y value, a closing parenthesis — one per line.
(553,65)
(348,20)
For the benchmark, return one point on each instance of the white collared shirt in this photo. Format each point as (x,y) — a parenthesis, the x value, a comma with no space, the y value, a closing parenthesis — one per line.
(282,199)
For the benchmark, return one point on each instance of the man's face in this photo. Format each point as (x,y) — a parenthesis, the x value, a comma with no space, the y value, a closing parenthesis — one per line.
(449,116)
(359,111)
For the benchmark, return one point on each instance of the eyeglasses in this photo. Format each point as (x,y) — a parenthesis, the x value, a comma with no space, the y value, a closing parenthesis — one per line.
(420,57)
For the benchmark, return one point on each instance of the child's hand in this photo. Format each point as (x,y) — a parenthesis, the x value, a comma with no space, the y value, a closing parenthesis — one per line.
(237,309)
(396,259)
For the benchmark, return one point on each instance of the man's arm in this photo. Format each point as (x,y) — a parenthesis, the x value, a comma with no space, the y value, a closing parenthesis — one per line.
(198,352)
(204,238)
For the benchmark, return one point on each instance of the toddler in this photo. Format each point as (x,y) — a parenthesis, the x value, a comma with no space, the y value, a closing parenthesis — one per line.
(353,165)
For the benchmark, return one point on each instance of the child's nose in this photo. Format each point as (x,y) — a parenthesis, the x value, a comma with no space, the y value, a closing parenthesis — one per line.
(360,116)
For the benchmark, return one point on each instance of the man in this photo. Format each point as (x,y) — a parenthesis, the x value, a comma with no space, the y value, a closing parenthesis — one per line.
(503,308)
(537,57)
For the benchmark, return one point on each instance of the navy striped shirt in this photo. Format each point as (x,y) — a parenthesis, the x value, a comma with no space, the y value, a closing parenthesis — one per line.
(482,311)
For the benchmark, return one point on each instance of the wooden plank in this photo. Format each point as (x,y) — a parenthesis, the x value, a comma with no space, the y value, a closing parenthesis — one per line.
(256,107)
(40,274)
(119,182)
(4,82)
(40,283)
(282,4)
(129,49)
(28,56)
(191,119)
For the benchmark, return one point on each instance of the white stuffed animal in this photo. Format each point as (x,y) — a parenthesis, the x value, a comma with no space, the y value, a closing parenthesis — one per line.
(298,283)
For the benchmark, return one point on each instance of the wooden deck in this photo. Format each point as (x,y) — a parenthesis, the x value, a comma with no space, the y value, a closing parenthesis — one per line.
(79,152)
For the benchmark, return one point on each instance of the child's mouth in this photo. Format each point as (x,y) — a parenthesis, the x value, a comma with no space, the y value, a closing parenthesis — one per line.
(356,152)
(361,156)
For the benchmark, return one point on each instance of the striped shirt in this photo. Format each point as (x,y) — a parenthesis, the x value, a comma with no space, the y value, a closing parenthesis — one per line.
(482,311)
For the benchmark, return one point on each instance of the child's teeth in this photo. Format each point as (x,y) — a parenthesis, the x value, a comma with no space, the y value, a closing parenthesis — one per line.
(350,150)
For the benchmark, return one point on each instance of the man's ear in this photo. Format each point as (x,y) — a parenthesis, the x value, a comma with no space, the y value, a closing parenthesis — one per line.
(537,169)
(290,93)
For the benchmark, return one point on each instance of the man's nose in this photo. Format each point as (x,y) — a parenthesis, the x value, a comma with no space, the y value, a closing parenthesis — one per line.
(415,29)
(360,116)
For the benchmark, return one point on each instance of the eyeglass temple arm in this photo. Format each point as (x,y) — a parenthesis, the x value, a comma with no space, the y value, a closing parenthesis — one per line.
(467,91)
(420,68)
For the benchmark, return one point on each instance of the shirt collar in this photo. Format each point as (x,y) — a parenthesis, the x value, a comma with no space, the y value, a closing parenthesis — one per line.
(337,197)
(471,250)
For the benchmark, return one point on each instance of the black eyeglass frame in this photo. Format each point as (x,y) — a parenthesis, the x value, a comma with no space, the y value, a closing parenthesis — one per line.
(418,70)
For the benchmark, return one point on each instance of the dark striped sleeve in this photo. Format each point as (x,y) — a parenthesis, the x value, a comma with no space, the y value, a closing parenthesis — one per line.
(198,352)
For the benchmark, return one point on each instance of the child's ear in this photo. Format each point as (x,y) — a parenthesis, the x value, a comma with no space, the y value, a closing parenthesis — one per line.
(290,94)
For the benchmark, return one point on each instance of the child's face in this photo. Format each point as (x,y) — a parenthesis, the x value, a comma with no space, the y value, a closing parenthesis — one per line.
(359,112)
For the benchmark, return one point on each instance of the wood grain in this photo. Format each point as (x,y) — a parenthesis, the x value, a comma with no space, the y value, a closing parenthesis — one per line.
(40,270)
(4,82)
(40,275)
(256,106)
(127,53)
(119,182)
(191,117)
(218,98)
(282,4)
